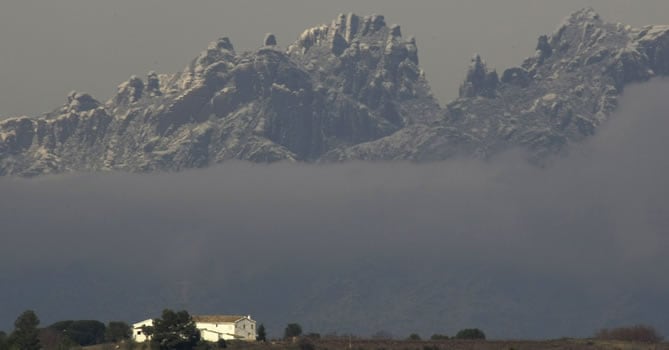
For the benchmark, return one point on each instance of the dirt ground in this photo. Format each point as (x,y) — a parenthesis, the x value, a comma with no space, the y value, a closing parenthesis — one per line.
(355,344)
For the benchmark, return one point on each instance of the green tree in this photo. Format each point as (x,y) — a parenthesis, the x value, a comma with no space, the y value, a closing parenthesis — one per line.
(470,333)
(117,331)
(3,341)
(26,334)
(439,337)
(292,330)
(174,331)
(52,339)
(262,333)
(82,332)
(414,336)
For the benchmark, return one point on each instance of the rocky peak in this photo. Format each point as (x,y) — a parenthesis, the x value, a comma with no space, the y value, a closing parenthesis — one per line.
(544,48)
(367,60)
(342,32)
(479,81)
(223,43)
(585,15)
(153,84)
(348,90)
(80,102)
(270,40)
(130,91)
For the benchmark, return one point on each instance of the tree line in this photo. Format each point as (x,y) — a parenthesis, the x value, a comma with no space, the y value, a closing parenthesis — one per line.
(27,335)
(176,330)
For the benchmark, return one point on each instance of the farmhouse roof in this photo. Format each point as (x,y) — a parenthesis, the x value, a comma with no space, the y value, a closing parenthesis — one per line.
(217,318)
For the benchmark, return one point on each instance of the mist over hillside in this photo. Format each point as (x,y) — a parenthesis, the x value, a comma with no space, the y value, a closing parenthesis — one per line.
(516,250)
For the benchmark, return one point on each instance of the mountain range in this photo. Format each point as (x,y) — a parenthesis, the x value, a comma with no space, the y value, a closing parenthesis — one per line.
(350,90)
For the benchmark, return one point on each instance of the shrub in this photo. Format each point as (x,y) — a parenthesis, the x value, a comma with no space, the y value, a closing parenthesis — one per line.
(638,333)
(306,344)
(414,336)
(262,334)
(470,333)
(117,331)
(292,330)
(82,332)
(382,335)
(439,337)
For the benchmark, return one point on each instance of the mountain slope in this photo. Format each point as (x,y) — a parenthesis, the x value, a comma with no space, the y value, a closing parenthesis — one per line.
(560,95)
(349,90)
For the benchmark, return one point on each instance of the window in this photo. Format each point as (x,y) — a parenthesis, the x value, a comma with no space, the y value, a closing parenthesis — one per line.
(251,326)
(138,333)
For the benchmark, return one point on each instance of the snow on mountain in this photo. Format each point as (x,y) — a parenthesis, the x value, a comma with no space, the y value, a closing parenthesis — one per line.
(349,90)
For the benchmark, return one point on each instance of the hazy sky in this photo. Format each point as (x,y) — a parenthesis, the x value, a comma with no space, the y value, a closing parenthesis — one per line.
(360,247)
(48,48)
(560,251)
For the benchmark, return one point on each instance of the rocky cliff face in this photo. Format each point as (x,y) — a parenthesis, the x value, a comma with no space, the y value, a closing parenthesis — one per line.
(559,96)
(349,90)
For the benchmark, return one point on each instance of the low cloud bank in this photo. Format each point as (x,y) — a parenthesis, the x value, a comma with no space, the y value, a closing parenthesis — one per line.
(361,247)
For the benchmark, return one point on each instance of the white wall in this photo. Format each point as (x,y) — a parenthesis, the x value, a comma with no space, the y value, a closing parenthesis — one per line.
(214,331)
(137,333)
(246,329)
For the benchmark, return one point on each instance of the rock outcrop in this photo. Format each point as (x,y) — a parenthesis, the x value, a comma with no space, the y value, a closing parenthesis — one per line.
(557,97)
(353,81)
(352,89)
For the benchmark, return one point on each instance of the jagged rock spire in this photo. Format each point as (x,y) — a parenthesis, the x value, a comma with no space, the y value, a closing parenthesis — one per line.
(153,84)
(270,40)
(130,91)
(587,14)
(544,48)
(479,81)
(222,44)
(80,102)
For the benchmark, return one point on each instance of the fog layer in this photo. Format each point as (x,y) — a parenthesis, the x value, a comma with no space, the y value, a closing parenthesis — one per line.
(360,247)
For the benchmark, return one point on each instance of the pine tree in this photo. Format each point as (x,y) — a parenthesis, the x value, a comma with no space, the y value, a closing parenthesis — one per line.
(26,334)
(262,334)
(174,331)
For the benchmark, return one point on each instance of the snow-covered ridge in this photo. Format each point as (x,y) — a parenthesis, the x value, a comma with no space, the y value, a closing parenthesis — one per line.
(351,89)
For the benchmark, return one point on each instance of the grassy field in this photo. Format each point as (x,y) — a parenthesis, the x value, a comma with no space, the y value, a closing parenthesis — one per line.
(344,344)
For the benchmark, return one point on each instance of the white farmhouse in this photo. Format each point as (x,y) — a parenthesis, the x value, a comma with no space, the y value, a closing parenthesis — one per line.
(215,327)
(138,330)
(212,328)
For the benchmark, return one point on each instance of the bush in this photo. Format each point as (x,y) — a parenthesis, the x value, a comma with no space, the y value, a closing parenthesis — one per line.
(306,344)
(117,331)
(82,332)
(262,334)
(382,335)
(414,336)
(3,340)
(638,333)
(292,330)
(470,333)
(439,337)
